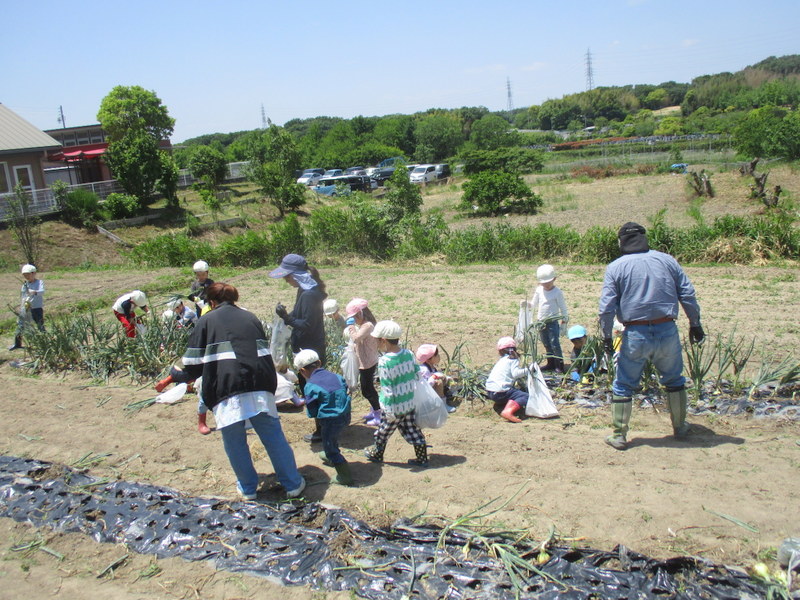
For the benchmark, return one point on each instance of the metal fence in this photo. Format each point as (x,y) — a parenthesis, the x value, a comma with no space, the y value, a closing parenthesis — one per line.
(43,201)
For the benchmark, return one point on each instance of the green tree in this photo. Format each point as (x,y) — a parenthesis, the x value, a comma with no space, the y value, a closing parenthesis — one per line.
(495,192)
(656,99)
(129,110)
(787,140)
(756,134)
(208,165)
(167,183)
(437,136)
(135,161)
(274,158)
(135,122)
(402,197)
(492,132)
(25,225)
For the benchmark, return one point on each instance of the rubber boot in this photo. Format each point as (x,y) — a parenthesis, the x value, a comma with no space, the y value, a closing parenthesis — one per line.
(550,365)
(343,475)
(620,417)
(421,452)
(324,458)
(375,453)
(163,383)
(316,436)
(678,402)
(558,365)
(508,412)
(17,343)
(201,424)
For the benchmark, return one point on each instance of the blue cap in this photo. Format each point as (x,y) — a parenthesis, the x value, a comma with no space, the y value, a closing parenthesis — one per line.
(576,331)
(291,263)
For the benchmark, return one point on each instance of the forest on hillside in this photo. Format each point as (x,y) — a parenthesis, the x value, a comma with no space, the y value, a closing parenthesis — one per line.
(709,104)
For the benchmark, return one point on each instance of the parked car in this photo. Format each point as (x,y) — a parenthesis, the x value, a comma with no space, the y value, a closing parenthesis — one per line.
(390,162)
(320,172)
(343,184)
(309,179)
(355,171)
(381,175)
(333,173)
(423,174)
(442,171)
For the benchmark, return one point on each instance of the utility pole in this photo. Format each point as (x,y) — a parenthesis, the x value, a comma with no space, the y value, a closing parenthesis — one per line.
(589,70)
(61,117)
(510,101)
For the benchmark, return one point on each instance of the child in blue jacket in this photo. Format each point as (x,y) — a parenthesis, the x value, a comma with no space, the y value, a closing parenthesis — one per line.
(327,401)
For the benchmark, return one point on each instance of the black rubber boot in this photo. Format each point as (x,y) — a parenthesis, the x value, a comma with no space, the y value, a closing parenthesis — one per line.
(375,453)
(17,343)
(421,459)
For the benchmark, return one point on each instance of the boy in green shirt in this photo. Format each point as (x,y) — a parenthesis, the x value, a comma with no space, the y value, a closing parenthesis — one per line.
(397,370)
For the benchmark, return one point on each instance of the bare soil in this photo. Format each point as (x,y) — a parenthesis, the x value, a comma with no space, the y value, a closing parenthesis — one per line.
(654,498)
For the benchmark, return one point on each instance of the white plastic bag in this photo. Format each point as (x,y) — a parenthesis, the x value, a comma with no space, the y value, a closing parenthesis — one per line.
(279,344)
(540,401)
(524,320)
(349,365)
(172,395)
(431,412)
(284,392)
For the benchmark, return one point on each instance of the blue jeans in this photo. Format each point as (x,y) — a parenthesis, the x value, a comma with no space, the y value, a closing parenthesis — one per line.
(550,334)
(661,345)
(514,394)
(330,428)
(234,438)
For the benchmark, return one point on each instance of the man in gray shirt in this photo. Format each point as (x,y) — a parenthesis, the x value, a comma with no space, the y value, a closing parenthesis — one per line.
(643,288)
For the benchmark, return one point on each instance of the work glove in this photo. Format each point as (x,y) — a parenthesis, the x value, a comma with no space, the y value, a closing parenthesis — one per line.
(350,321)
(696,334)
(280,310)
(608,345)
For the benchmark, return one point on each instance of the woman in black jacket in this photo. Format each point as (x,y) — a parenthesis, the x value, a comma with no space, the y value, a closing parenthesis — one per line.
(307,318)
(229,349)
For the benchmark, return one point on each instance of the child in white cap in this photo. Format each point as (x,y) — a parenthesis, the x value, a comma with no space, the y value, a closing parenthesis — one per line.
(124,310)
(31,306)
(549,308)
(201,283)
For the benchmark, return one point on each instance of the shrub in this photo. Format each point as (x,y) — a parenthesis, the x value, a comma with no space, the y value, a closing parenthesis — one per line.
(495,192)
(121,206)
(359,229)
(82,208)
(287,237)
(420,238)
(170,250)
(249,249)
(598,245)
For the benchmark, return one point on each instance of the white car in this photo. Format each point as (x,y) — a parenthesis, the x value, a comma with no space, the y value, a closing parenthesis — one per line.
(423,174)
(309,179)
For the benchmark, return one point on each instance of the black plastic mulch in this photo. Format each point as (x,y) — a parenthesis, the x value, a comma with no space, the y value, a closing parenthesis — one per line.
(308,544)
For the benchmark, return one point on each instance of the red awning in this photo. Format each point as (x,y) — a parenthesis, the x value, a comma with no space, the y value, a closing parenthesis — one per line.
(81,154)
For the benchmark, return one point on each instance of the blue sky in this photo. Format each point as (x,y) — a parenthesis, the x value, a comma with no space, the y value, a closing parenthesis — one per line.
(213,64)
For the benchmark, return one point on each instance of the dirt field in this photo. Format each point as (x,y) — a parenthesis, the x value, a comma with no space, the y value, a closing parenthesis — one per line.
(652,498)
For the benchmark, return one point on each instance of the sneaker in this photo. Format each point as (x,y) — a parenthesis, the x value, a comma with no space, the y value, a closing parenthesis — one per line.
(297,491)
(373,422)
(415,462)
(244,496)
(450,409)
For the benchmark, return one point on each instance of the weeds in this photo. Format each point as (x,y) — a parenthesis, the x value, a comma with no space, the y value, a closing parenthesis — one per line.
(700,358)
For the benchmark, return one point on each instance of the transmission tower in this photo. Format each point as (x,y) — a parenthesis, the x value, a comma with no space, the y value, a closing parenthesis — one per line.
(264,120)
(510,101)
(589,70)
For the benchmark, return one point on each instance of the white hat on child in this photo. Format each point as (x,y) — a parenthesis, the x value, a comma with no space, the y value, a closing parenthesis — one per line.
(546,273)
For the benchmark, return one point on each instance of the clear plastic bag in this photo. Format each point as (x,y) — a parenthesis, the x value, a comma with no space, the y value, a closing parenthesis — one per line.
(431,411)
(540,401)
(279,343)
(173,394)
(349,365)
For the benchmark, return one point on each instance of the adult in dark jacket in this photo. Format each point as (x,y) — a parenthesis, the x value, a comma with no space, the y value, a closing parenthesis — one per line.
(307,318)
(229,349)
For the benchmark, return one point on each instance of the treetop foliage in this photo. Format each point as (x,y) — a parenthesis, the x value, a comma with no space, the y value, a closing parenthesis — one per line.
(132,109)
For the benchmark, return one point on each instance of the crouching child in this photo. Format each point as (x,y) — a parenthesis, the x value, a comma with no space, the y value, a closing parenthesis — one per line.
(328,401)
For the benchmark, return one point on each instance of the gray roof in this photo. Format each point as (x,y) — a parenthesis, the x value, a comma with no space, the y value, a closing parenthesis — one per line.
(17,135)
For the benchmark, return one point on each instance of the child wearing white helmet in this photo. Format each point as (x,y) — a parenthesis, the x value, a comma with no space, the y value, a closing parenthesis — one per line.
(124,310)
(180,313)
(360,325)
(500,383)
(327,401)
(201,283)
(330,308)
(31,305)
(549,308)
(398,371)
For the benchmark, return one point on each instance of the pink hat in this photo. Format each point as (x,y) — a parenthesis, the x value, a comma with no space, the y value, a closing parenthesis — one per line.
(356,305)
(425,352)
(506,342)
